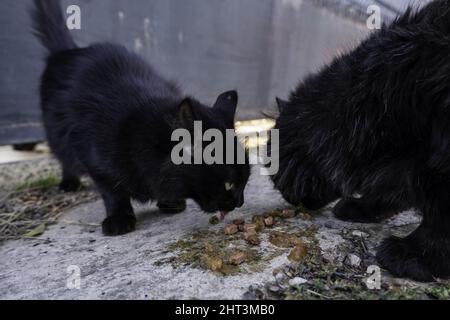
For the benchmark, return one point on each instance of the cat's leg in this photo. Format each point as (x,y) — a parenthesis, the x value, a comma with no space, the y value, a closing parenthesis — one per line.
(366,209)
(172,206)
(70,180)
(425,253)
(120,218)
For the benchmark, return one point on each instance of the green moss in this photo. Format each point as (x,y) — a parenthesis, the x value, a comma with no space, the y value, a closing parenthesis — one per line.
(439,292)
(40,183)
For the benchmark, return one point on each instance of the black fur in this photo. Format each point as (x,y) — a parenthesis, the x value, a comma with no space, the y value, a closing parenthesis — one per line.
(109,114)
(376,122)
(48,25)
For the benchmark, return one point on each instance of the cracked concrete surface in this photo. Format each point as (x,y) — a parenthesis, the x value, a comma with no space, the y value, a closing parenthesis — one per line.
(126,267)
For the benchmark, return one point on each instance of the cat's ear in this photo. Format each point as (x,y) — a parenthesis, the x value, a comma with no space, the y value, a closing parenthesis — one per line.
(226,105)
(281,104)
(186,114)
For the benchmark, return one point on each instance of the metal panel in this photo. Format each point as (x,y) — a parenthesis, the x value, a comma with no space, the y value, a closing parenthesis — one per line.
(357,9)
(260,47)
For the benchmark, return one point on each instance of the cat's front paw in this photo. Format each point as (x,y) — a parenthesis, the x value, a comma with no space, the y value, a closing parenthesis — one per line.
(172,207)
(118,224)
(403,259)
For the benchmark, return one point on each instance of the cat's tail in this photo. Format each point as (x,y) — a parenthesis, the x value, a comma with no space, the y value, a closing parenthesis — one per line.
(50,27)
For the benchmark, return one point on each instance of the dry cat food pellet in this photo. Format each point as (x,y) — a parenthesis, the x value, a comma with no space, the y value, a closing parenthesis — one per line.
(260,225)
(259,222)
(283,239)
(214,220)
(298,253)
(257,218)
(238,258)
(288,213)
(250,227)
(305,216)
(213,263)
(252,238)
(231,229)
(269,221)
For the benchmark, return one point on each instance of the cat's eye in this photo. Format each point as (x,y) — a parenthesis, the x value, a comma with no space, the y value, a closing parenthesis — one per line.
(229,186)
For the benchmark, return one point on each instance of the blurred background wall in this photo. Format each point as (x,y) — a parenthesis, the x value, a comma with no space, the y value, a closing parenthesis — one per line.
(260,47)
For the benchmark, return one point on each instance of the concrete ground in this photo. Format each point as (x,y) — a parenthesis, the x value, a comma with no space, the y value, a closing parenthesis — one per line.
(146,264)
(9,155)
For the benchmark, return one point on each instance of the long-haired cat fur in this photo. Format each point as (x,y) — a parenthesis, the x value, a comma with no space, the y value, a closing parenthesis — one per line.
(109,114)
(376,123)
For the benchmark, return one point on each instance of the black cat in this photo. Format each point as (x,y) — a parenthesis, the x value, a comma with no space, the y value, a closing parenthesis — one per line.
(376,122)
(109,114)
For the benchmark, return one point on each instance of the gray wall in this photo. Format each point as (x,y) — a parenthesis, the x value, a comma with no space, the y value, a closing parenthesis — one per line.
(260,47)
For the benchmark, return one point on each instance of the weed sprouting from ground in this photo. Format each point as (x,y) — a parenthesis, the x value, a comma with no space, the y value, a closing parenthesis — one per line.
(42,183)
(29,207)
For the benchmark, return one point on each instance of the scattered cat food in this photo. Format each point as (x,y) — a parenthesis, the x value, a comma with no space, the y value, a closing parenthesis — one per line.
(269,221)
(250,227)
(258,221)
(298,253)
(238,258)
(213,263)
(285,214)
(252,238)
(214,220)
(283,239)
(274,214)
(305,216)
(260,226)
(231,229)
(257,218)
(216,252)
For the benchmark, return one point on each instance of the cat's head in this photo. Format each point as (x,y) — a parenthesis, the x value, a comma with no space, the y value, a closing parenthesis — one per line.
(217,184)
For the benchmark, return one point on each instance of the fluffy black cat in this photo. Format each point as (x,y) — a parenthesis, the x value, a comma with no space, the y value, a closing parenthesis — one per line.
(376,122)
(109,114)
